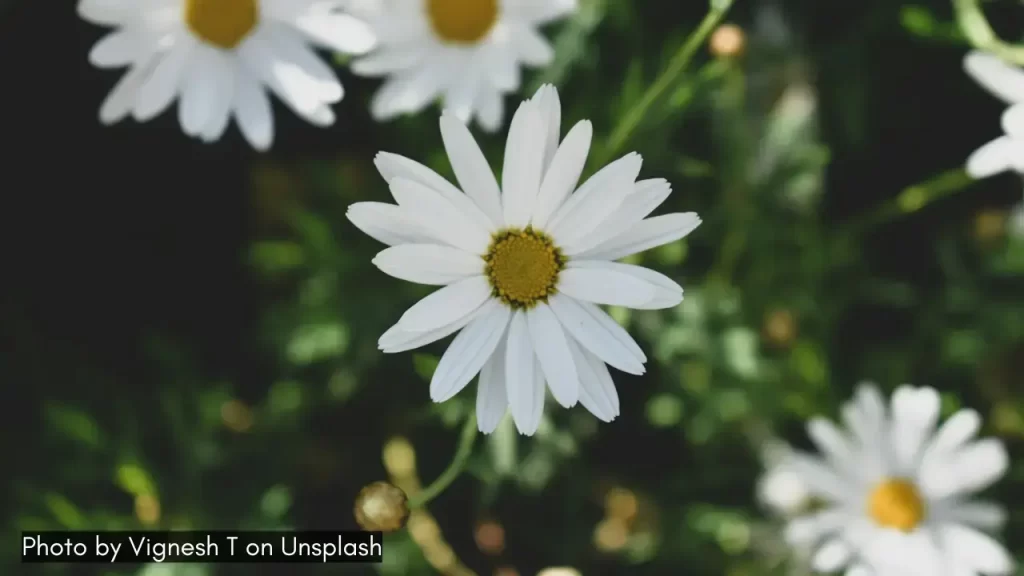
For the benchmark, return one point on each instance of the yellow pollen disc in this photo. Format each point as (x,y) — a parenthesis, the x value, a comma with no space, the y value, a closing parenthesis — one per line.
(523,267)
(222,23)
(896,503)
(462,21)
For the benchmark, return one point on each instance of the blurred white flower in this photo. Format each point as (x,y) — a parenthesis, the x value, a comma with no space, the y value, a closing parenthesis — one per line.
(524,266)
(218,56)
(783,490)
(899,491)
(466,52)
(1007,83)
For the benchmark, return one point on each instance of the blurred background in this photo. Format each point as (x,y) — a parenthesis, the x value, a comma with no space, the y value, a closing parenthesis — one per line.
(189,331)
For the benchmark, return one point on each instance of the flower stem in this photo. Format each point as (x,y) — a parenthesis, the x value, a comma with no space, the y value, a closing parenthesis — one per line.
(915,198)
(668,77)
(979,32)
(454,469)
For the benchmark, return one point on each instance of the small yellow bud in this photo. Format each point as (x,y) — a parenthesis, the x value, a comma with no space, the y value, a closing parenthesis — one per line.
(780,328)
(728,41)
(381,506)
(989,225)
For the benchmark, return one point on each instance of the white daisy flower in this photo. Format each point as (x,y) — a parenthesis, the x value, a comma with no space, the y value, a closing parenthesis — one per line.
(525,265)
(218,55)
(898,491)
(466,52)
(1005,81)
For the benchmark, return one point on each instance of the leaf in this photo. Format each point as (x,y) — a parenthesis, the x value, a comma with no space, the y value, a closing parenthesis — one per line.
(134,480)
(424,365)
(273,257)
(276,502)
(64,511)
(75,425)
(318,342)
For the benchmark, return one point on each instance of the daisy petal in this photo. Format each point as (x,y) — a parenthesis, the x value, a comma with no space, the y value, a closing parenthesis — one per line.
(523,162)
(605,286)
(119,102)
(491,395)
(290,46)
(469,351)
(646,196)
(540,12)
(552,350)
(564,173)
(522,382)
(388,60)
(339,32)
(104,12)
(428,263)
(117,49)
(471,168)
(164,84)
(293,85)
(832,556)
(819,477)
(597,392)
(223,94)
(991,159)
(976,513)
(915,412)
(446,305)
(835,446)
(596,199)
(397,339)
(199,92)
(438,216)
(807,530)
(1013,121)
(970,548)
(393,166)
(594,336)
(956,431)
(667,294)
(550,108)
(860,570)
(650,233)
(532,48)
(976,466)
(614,329)
(460,95)
(386,223)
(253,113)
(995,75)
(491,108)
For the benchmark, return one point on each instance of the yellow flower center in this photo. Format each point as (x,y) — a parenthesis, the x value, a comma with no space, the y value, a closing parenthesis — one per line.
(896,503)
(222,23)
(523,267)
(462,21)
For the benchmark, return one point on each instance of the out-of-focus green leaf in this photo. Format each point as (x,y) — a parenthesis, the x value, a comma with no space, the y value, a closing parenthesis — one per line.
(318,342)
(425,364)
(75,425)
(65,512)
(135,480)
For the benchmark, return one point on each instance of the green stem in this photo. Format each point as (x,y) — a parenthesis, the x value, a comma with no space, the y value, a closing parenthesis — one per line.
(454,469)
(915,198)
(668,77)
(979,32)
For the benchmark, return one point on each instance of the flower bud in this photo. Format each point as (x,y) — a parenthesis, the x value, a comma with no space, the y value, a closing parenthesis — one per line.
(381,506)
(728,41)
